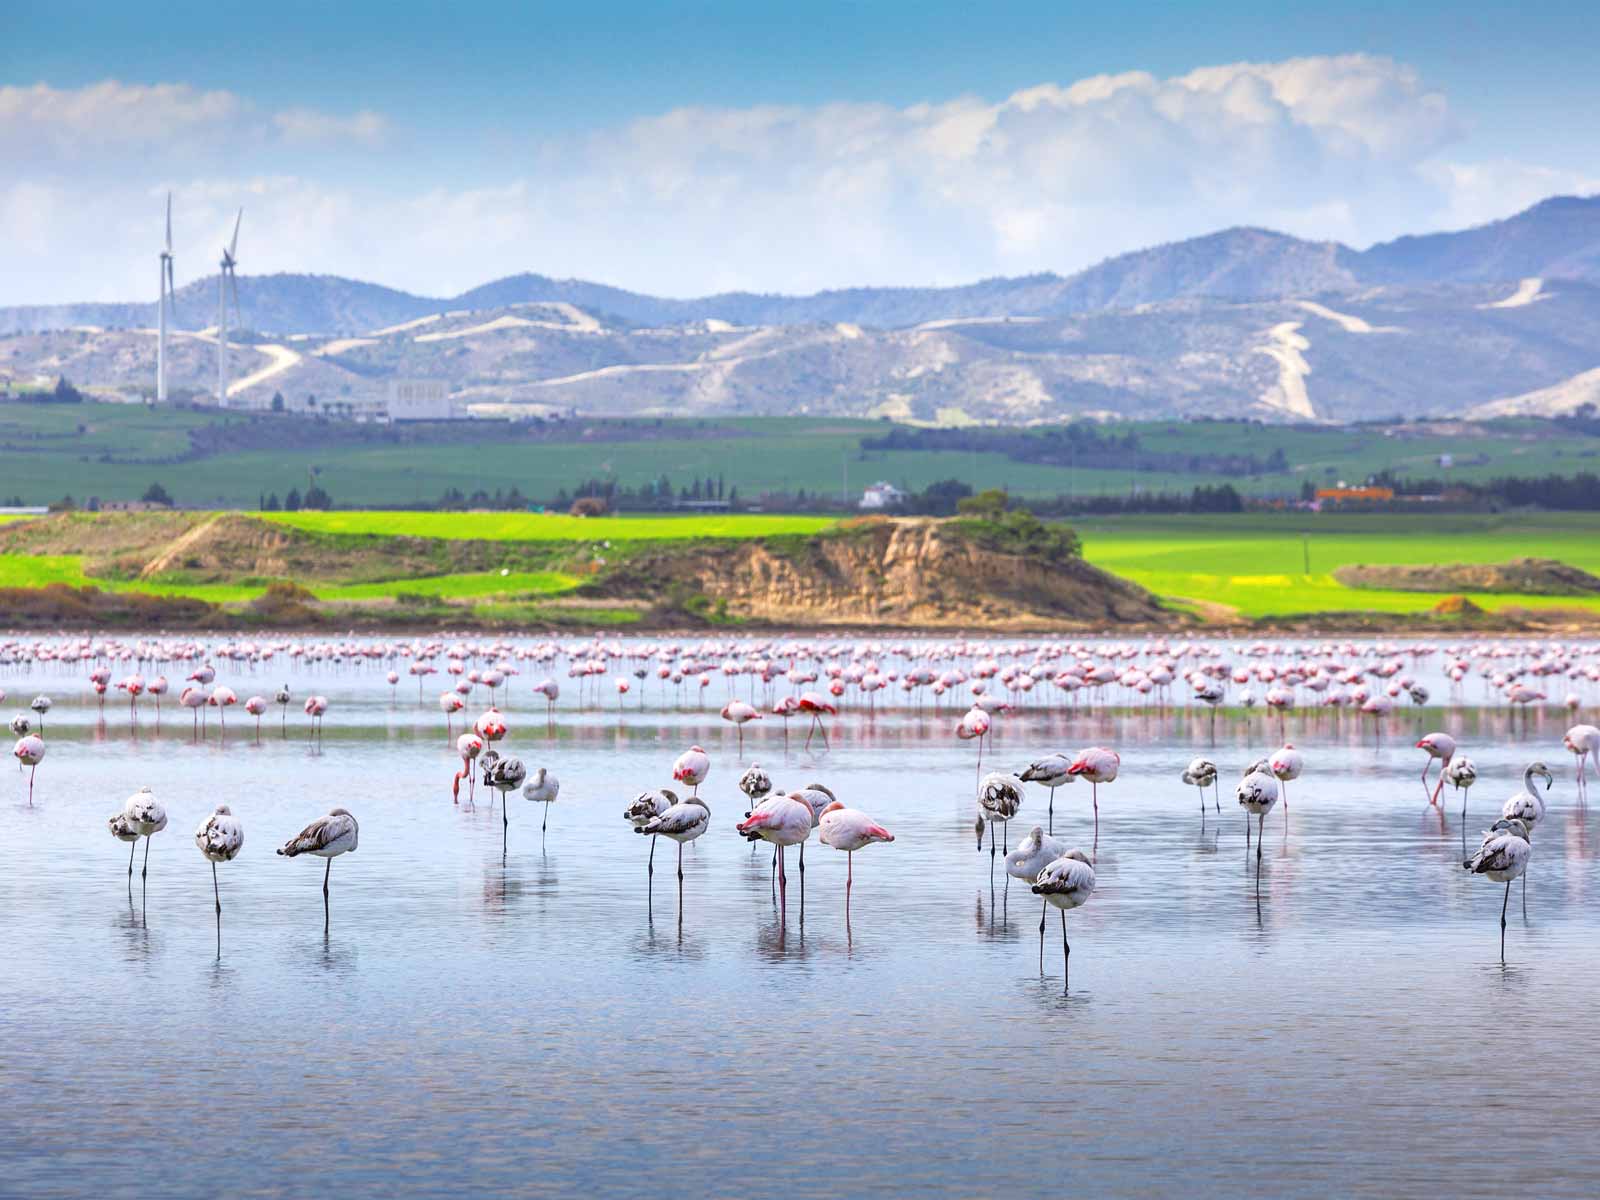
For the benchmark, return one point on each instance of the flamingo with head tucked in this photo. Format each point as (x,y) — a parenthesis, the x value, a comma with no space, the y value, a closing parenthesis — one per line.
(1098,765)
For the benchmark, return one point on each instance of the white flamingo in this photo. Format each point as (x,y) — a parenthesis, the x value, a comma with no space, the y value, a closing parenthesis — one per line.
(646,807)
(1098,765)
(692,767)
(999,797)
(1460,773)
(849,829)
(1202,773)
(29,752)
(543,789)
(1503,857)
(1066,883)
(682,822)
(1286,763)
(1257,793)
(326,837)
(1583,741)
(146,817)
(220,838)
(1033,854)
(1053,771)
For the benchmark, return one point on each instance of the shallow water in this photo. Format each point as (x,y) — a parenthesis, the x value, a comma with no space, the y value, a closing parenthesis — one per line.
(496,1012)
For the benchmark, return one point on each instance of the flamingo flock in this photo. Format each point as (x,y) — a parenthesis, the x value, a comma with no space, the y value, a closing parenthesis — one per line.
(992,681)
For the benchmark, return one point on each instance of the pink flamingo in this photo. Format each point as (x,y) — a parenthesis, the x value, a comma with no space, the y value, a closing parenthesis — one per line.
(469,746)
(1098,765)
(814,704)
(255,706)
(1441,748)
(450,703)
(692,767)
(740,714)
(29,752)
(849,829)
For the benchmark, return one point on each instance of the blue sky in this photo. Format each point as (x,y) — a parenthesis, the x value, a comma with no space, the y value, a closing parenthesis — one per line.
(681,148)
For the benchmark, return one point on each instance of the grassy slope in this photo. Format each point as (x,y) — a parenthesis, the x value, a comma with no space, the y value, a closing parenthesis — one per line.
(1256,564)
(59,448)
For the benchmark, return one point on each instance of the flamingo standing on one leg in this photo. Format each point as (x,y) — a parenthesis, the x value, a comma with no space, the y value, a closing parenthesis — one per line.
(122,829)
(1441,748)
(1053,771)
(146,817)
(692,767)
(220,838)
(683,822)
(1503,857)
(29,752)
(646,807)
(1528,807)
(1286,763)
(1461,773)
(974,724)
(326,837)
(543,789)
(1257,793)
(505,775)
(1098,765)
(1033,854)
(740,714)
(1066,883)
(849,829)
(450,703)
(1202,773)
(255,706)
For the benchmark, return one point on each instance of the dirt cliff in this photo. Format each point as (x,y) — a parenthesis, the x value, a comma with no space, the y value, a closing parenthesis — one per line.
(906,572)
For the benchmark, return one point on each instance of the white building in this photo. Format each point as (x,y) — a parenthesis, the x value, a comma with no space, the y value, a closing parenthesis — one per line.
(420,400)
(881,495)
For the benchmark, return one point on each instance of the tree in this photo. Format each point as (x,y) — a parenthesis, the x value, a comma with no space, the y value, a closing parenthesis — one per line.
(316,498)
(277,401)
(271,503)
(990,503)
(291,502)
(156,494)
(65,393)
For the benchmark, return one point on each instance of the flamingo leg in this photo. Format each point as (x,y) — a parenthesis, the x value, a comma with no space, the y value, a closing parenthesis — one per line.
(1052,828)
(1261,836)
(1503,905)
(214,892)
(31,771)
(543,825)
(1044,911)
(144,869)
(1216,797)
(132,846)
(1066,954)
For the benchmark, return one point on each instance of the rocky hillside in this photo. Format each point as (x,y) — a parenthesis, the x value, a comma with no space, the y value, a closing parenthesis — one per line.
(927,573)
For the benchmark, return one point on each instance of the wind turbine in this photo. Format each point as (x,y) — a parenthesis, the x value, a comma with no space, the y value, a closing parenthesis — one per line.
(227,285)
(167,302)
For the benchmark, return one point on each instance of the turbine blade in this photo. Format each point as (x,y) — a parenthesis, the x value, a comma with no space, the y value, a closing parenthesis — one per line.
(233,246)
(233,290)
(169,224)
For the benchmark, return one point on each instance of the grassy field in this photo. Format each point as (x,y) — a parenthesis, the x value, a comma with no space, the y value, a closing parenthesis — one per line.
(116,451)
(1252,565)
(544,527)
(1258,564)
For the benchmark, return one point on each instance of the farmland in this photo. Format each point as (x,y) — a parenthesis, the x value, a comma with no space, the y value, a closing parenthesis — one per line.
(211,459)
(1216,568)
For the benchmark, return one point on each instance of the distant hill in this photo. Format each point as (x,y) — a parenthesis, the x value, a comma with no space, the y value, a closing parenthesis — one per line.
(1558,238)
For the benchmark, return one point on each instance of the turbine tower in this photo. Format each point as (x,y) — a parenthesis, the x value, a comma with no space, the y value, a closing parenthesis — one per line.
(168,302)
(227,286)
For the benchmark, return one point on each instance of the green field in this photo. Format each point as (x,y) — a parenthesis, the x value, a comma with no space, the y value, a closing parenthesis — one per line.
(549,527)
(1256,564)
(115,452)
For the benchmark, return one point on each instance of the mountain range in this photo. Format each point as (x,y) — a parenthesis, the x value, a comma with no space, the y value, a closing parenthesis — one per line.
(1501,318)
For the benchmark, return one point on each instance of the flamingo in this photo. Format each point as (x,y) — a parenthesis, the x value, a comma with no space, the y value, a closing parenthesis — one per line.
(220,699)
(1286,764)
(29,752)
(1202,773)
(755,783)
(1033,854)
(683,821)
(646,807)
(1503,857)
(145,816)
(220,838)
(157,687)
(849,829)
(1584,743)
(315,708)
(814,704)
(692,767)
(468,746)
(1461,773)
(123,831)
(21,726)
(551,691)
(1441,748)
(194,699)
(999,797)
(326,837)
(1098,765)
(543,789)
(740,714)
(504,775)
(1257,793)
(974,724)
(255,706)
(41,704)
(450,703)
(784,821)
(1066,883)
(1053,771)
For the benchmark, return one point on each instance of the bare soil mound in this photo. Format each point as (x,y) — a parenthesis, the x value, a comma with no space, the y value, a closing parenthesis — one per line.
(1522,576)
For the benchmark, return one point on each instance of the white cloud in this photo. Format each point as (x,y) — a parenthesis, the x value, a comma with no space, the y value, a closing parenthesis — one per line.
(1054,177)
